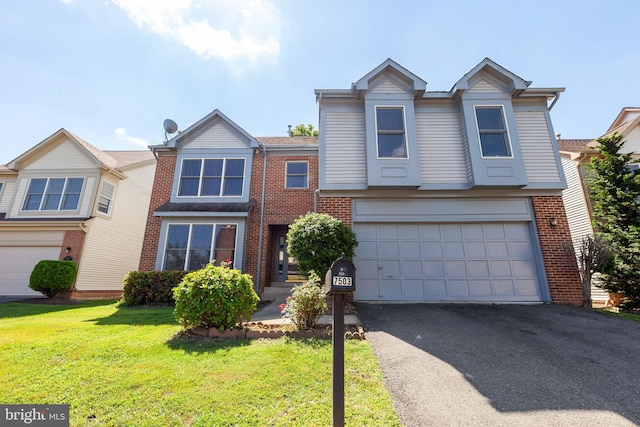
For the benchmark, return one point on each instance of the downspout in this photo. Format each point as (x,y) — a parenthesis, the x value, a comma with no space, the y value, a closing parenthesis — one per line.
(554,101)
(315,200)
(264,179)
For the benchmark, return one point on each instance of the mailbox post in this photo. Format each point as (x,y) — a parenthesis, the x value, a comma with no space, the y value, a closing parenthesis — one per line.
(339,281)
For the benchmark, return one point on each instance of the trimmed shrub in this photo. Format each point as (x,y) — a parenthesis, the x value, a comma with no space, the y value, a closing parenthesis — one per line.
(150,287)
(51,277)
(214,297)
(316,240)
(306,304)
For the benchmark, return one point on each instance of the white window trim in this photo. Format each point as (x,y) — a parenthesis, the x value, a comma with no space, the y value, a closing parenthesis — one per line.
(213,243)
(404,123)
(224,165)
(506,127)
(113,196)
(286,174)
(64,188)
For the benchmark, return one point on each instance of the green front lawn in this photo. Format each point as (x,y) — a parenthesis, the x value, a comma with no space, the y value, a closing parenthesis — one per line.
(128,367)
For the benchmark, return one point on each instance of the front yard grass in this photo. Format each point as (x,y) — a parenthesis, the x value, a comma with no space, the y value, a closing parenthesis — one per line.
(130,367)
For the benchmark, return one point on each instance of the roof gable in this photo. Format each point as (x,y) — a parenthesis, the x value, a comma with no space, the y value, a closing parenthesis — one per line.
(494,74)
(393,76)
(625,115)
(214,128)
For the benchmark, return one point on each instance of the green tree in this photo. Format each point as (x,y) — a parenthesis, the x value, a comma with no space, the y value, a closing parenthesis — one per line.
(315,240)
(302,130)
(614,189)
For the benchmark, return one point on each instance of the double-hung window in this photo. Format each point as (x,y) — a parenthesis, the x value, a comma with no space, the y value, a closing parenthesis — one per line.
(52,194)
(494,138)
(390,129)
(193,246)
(211,177)
(297,175)
(106,198)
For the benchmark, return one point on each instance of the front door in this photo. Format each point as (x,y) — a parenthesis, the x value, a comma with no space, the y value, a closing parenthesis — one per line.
(285,265)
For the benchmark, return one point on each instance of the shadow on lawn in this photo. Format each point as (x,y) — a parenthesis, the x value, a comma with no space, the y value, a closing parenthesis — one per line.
(197,344)
(38,306)
(138,316)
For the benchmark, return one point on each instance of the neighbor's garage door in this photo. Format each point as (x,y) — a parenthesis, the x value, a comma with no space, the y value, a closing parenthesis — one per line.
(488,262)
(16,265)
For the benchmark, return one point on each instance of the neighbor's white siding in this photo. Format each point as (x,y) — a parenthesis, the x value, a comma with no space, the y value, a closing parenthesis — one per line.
(113,244)
(632,144)
(65,156)
(440,148)
(537,148)
(8,193)
(346,158)
(575,202)
(216,136)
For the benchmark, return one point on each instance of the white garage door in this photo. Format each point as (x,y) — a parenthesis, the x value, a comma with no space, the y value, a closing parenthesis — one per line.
(482,262)
(16,265)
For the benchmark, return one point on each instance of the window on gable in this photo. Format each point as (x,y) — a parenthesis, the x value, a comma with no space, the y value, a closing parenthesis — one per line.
(193,246)
(494,138)
(297,175)
(390,128)
(51,194)
(106,197)
(211,177)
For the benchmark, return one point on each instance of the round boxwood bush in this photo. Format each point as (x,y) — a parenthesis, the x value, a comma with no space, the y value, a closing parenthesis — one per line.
(214,297)
(51,277)
(316,240)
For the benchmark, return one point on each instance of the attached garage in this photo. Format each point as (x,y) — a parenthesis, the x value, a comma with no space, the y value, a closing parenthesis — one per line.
(472,250)
(19,253)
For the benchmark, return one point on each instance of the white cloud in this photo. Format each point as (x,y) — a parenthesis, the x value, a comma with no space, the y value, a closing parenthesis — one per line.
(225,29)
(121,134)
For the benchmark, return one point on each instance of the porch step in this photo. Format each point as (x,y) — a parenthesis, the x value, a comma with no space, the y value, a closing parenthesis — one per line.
(276,291)
(296,278)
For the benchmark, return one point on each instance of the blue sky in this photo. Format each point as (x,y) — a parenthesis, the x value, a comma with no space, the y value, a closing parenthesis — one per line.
(111,71)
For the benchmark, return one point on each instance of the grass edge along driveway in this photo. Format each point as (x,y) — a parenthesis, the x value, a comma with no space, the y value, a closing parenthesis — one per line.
(130,367)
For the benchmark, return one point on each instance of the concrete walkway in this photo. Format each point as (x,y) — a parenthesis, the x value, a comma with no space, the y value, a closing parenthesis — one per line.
(270,315)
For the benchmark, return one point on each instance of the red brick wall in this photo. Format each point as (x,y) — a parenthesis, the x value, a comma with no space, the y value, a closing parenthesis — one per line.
(282,207)
(75,240)
(561,267)
(337,207)
(161,193)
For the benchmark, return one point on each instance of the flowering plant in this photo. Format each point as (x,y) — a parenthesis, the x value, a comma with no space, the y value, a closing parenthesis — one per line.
(306,304)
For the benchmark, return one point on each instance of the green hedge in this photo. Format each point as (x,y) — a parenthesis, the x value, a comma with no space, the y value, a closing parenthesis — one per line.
(51,277)
(150,287)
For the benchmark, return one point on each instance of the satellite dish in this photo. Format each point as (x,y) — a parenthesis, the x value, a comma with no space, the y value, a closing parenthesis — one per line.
(170,126)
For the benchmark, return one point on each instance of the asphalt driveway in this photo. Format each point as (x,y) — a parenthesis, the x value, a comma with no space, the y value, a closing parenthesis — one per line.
(525,365)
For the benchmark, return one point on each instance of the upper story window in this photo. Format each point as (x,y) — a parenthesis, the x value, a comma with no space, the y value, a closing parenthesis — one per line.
(390,129)
(297,175)
(106,198)
(211,177)
(52,194)
(193,246)
(494,138)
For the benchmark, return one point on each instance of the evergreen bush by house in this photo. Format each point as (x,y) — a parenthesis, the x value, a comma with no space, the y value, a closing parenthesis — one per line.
(214,297)
(51,277)
(306,304)
(150,287)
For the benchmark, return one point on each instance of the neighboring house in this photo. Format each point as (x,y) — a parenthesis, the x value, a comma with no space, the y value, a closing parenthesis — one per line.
(221,194)
(454,196)
(65,198)
(576,153)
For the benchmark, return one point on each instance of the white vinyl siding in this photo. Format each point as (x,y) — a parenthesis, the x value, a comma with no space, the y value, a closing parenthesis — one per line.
(537,148)
(440,148)
(632,144)
(105,243)
(6,195)
(484,86)
(388,86)
(65,156)
(574,202)
(345,148)
(217,136)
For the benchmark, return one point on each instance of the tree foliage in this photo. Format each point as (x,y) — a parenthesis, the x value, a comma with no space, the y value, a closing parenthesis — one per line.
(614,189)
(315,240)
(302,130)
(50,277)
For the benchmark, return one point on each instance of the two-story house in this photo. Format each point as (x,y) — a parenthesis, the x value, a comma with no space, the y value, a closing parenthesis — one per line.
(221,194)
(66,199)
(453,195)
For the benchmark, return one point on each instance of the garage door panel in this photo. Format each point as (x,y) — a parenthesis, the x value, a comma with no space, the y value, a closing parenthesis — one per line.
(489,262)
(16,265)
